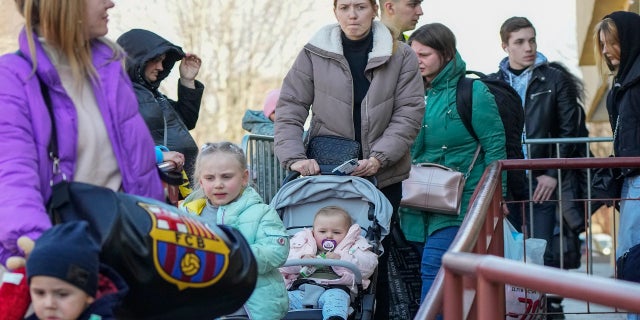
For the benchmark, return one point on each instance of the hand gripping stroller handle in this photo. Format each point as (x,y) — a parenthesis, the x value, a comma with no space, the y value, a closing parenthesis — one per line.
(324,170)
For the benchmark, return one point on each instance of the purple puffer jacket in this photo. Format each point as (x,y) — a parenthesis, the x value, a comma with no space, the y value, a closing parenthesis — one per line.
(25,130)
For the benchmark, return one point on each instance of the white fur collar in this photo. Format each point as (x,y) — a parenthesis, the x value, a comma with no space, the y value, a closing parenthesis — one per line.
(328,38)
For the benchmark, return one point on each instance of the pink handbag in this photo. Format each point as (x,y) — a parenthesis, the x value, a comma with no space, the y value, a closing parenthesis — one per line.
(435,188)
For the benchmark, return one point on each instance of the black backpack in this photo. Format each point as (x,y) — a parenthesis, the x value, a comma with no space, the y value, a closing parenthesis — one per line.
(512,114)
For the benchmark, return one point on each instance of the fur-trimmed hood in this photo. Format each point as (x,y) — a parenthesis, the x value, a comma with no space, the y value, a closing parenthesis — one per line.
(328,39)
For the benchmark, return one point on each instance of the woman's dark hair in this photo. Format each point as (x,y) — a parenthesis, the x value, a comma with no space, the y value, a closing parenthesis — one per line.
(437,36)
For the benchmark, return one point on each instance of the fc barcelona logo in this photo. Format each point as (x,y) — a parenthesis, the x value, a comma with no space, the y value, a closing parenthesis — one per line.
(185,252)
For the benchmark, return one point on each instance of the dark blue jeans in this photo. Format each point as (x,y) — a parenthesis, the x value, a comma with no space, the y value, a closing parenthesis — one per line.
(434,248)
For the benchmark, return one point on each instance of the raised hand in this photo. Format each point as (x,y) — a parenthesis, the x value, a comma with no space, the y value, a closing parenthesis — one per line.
(189,68)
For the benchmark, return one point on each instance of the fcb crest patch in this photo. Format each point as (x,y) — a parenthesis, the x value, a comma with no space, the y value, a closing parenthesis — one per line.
(186,253)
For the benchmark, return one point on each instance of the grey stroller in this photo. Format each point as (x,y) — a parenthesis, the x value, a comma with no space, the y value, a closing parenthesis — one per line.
(298,201)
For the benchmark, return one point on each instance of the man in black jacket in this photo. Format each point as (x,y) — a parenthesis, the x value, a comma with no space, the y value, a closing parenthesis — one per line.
(150,60)
(552,110)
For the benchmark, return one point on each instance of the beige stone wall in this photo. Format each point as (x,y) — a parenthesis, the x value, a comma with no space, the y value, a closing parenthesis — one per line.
(10,27)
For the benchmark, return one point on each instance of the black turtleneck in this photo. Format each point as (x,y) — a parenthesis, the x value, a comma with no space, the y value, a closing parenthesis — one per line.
(517,72)
(357,54)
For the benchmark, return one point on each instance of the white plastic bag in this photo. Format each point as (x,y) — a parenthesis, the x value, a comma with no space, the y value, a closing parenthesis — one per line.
(522,303)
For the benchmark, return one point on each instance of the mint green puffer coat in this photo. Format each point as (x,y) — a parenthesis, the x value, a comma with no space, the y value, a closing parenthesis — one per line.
(267,237)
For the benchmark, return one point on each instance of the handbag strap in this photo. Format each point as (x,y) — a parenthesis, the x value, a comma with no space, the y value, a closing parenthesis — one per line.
(52,148)
(53,142)
(473,162)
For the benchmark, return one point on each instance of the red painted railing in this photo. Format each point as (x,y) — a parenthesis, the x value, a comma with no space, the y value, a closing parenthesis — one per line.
(470,278)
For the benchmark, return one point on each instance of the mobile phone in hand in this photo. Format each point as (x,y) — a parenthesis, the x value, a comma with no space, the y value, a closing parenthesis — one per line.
(346,168)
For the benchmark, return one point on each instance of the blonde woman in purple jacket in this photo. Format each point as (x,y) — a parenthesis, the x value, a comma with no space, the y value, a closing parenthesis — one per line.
(102,139)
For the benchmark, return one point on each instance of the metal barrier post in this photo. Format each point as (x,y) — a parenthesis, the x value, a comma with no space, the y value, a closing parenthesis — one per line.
(264,168)
(453,292)
(487,295)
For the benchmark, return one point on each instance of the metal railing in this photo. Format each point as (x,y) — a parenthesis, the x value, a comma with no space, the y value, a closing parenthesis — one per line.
(264,168)
(482,233)
(488,274)
(478,234)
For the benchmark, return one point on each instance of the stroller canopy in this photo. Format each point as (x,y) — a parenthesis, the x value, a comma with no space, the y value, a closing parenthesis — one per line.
(300,199)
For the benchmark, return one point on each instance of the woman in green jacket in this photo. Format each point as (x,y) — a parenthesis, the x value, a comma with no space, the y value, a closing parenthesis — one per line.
(444,139)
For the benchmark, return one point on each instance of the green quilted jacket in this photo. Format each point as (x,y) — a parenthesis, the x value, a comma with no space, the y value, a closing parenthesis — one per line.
(443,139)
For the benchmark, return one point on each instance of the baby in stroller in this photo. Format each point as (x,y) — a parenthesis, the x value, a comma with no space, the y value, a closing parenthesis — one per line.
(334,236)
(369,211)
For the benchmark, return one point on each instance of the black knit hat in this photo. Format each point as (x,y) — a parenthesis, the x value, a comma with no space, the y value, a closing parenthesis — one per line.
(68,253)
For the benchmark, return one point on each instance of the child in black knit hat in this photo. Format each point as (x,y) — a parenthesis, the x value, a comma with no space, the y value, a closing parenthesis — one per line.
(63,271)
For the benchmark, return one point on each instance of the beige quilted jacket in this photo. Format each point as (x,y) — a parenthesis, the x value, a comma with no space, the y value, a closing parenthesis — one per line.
(320,80)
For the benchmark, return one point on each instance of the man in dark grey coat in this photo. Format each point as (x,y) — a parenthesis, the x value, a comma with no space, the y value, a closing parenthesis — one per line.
(150,60)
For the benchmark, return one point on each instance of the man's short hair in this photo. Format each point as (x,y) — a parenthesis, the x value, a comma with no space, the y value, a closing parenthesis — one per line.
(382,2)
(381,5)
(513,24)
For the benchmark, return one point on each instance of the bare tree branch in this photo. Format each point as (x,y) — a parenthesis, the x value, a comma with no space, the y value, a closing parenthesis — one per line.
(245,48)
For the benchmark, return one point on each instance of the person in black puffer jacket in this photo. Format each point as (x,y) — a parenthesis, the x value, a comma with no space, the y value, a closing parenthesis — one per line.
(150,60)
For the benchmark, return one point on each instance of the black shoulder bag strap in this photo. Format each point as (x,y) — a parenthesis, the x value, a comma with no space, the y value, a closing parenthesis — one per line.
(53,142)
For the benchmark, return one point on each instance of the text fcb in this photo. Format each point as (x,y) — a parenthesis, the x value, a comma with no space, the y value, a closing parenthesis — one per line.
(186,253)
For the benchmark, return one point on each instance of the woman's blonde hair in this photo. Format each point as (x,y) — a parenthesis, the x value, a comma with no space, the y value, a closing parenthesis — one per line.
(610,30)
(61,23)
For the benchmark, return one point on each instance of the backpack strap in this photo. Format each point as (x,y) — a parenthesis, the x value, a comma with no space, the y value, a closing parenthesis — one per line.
(464,98)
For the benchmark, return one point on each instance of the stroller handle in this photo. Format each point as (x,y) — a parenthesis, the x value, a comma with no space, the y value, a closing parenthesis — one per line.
(327,262)
(325,169)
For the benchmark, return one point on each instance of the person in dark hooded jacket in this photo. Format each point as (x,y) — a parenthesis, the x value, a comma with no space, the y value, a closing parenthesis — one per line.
(617,40)
(150,60)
